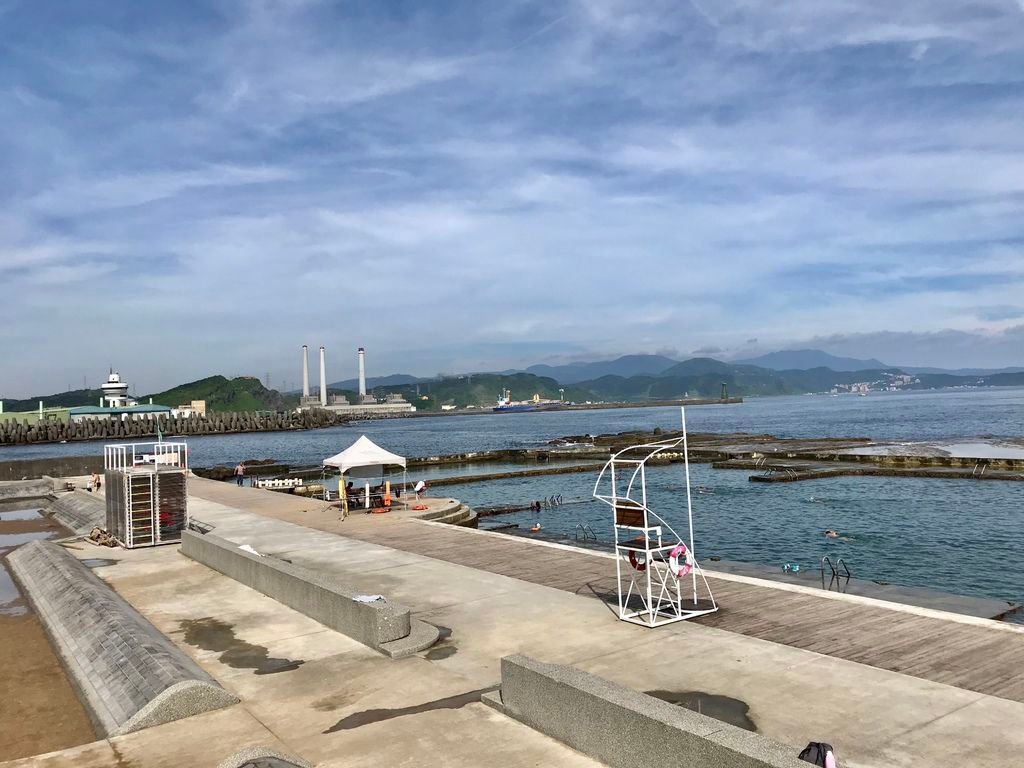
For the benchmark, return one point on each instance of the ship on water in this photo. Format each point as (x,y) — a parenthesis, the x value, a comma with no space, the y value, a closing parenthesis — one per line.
(506,404)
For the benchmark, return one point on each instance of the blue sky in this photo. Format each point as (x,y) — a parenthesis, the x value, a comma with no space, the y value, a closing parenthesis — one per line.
(190,188)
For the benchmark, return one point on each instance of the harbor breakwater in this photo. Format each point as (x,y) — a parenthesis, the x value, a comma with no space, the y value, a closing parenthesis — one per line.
(15,432)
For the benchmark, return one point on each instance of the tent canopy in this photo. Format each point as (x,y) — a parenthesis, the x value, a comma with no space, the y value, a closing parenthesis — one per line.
(365,455)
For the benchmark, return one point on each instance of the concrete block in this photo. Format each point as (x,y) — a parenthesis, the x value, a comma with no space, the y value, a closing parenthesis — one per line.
(623,727)
(182,699)
(127,674)
(261,757)
(79,511)
(319,596)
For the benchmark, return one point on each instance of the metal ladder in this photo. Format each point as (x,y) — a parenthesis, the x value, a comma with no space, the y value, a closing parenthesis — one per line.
(586,530)
(839,571)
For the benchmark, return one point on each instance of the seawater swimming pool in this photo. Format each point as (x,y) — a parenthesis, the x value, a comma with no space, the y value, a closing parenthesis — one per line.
(957,536)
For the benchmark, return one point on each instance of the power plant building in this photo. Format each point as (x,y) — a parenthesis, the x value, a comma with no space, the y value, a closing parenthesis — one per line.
(368,407)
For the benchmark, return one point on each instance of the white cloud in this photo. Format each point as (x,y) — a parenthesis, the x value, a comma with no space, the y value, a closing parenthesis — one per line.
(606,174)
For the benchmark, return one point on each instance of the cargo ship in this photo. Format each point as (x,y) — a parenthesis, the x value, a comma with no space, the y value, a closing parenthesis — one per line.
(505,404)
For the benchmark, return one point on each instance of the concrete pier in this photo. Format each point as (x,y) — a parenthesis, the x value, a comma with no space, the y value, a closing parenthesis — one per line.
(879,681)
(128,675)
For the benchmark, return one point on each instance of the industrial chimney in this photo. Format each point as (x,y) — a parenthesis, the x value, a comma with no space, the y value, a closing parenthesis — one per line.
(305,371)
(362,373)
(323,378)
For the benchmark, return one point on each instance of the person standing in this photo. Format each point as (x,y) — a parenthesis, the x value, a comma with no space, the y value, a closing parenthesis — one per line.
(240,474)
(96,482)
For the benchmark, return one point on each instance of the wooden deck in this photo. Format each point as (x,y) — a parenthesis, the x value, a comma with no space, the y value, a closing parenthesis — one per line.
(988,660)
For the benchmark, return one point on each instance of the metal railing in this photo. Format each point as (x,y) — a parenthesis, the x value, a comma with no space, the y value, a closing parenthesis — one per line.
(586,530)
(840,573)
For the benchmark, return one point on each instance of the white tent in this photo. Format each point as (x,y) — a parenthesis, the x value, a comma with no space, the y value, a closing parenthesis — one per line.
(364,453)
(365,459)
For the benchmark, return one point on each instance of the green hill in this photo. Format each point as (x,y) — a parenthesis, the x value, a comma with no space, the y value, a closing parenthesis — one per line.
(245,393)
(69,399)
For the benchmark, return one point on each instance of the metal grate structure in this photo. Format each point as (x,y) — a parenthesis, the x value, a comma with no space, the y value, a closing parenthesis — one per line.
(147,502)
(653,560)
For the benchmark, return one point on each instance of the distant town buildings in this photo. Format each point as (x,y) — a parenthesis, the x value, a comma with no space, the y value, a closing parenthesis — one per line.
(890,382)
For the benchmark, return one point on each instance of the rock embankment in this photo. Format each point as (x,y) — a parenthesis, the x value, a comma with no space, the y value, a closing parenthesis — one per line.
(17,432)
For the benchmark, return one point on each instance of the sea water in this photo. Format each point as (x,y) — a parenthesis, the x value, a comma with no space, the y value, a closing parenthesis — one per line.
(945,415)
(957,536)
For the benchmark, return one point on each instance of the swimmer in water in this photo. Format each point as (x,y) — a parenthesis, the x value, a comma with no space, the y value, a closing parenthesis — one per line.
(830,534)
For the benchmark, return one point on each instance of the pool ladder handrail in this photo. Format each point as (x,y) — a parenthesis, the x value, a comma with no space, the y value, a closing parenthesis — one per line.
(836,573)
(586,530)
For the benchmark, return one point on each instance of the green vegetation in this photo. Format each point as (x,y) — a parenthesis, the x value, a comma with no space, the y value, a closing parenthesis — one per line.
(70,399)
(243,394)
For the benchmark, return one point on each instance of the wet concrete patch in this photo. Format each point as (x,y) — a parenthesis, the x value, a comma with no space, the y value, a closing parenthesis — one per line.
(11,601)
(98,562)
(9,541)
(211,634)
(444,648)
(724,708)
(20,514)
(368,716)
(336,700)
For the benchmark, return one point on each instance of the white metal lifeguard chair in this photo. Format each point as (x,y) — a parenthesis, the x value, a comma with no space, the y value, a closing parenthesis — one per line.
(652,561)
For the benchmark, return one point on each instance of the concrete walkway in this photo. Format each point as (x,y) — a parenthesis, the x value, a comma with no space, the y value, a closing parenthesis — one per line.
(793,695)
(321,696)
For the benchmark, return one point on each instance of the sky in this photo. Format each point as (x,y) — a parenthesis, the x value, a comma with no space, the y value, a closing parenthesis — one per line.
(193,188)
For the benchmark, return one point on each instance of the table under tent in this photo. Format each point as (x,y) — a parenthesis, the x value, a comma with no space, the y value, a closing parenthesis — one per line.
(365,460)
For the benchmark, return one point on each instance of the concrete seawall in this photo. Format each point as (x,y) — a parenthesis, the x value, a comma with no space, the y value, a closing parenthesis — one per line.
(127,674)
(16,432)
(12,491)
(622,727)
(63,466)
(382,625)
(79,511)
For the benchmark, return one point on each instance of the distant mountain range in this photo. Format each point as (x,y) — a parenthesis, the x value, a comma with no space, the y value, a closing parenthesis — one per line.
(805,359)
(632,378)
(393,380)
(629,365)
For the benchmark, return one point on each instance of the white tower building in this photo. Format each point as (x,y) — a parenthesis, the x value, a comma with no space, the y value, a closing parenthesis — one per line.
(323,378)
(305,371)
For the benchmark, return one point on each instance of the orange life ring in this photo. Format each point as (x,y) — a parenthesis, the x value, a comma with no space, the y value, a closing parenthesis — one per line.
(636,562)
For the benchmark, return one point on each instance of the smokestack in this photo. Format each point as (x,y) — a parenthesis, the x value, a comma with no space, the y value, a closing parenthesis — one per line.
(362,372)
(305,371)
(323,378)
